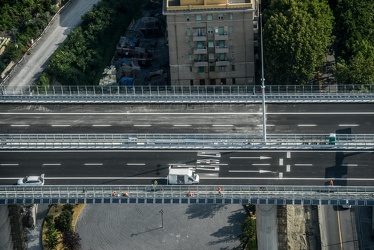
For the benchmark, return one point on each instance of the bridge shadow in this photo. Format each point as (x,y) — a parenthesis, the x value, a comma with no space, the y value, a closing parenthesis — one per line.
(339,170)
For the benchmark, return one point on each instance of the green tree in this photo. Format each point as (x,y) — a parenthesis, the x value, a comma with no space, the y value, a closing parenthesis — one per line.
(296,37)
(63,221)
(248,237)
(51,238)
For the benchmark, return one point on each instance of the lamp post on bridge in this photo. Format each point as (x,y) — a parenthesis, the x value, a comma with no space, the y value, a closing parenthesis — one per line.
(263,86)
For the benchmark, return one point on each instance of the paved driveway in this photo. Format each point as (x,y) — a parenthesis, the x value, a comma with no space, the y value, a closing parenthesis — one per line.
(131,226)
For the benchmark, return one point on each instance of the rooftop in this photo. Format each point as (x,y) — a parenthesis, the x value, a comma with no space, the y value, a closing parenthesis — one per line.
(180,5)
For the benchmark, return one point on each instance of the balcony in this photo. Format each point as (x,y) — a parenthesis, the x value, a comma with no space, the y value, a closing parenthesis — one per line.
(224,36)
(224,49)
(200,63)
(222,62)
(198,51)
(199,38)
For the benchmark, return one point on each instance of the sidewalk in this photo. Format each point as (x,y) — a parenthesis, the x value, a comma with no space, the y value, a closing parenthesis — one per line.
(132,226)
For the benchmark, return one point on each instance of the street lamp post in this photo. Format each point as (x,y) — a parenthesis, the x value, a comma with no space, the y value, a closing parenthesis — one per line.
(263,86)
(162,218)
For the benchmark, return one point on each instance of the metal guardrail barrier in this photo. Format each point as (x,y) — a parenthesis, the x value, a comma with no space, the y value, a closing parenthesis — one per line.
(195,194)
(187,94)
(184,141)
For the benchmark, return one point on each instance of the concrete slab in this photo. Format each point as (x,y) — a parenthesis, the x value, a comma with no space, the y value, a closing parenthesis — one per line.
(132,226)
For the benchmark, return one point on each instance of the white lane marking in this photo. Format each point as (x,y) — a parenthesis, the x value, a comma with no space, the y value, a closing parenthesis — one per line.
(177,164)
(288,168)
(142,125)
(60,125)
(306,125)
(349,165)
(93,164)
(51,164)
(101,125)
(349,125)
(222,125)
(250,171)
(280,161)
(182,125)
(250,157)
(9,164)
(135,164)
(207,168)
(260,164)
(288,154)
(303,164)
(19,125)
(267,125)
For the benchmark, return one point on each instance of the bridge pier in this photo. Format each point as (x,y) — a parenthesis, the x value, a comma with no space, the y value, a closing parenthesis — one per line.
(266,224)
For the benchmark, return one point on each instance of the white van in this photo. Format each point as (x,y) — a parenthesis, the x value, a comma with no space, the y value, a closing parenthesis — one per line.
(182,176)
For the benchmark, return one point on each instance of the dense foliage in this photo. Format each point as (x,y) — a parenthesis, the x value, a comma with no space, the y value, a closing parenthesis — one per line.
(63,221)
(89,48)
(296,37)
(354,43)
(23,20)
(71,240)
(248,238)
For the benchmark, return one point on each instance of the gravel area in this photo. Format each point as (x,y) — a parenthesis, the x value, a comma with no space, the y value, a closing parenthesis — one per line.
(131,226)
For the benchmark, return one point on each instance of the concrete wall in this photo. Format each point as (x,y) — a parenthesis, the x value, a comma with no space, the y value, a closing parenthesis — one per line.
(266,225)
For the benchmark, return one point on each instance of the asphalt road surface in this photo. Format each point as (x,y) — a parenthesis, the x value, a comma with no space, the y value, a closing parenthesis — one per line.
(254,167)
(56,34)
(281,119)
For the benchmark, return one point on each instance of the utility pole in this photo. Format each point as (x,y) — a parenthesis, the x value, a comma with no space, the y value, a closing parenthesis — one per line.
(263,85)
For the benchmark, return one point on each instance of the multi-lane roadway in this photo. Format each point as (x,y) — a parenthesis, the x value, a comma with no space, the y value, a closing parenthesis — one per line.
(281,119)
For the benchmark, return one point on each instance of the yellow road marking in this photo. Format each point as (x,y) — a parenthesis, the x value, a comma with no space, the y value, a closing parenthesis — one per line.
(340,231)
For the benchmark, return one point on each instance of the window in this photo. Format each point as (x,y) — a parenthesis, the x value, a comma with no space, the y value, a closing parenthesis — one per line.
(188,18)
(210,44)
(232,56)
(222,56)
(191,82)
(212,68)
(233,81)
(221,43)
(188,31)
(209,17)
(222,68)
(211,56)
(200,45)
(231,29)
(189,43)
(231,16)
(220,16)
(189,56)
(190,69)
(199,57)
(210,30)
(198,18)
(220,31)
(233,68)
(201,69)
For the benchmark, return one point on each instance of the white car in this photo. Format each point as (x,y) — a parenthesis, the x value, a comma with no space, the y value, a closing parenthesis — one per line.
(31,180)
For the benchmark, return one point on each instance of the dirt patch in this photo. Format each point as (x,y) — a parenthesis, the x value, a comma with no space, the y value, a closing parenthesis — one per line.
(302,227)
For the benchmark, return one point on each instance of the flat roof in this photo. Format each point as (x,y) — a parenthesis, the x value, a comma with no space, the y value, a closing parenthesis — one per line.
(201,5)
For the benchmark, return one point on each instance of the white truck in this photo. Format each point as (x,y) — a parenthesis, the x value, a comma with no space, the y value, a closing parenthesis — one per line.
(182,175)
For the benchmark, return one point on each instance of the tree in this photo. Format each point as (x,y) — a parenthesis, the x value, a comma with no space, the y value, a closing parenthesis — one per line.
(51,238)
(296,36)
(63,221)
(71,240)
(248,237)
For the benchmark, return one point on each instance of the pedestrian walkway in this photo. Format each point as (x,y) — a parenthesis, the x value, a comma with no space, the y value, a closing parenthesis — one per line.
(132,226)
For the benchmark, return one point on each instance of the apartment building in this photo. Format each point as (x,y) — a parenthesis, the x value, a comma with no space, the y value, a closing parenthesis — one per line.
(211,42)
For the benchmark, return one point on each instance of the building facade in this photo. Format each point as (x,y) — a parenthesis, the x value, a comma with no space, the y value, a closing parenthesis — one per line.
(211,42)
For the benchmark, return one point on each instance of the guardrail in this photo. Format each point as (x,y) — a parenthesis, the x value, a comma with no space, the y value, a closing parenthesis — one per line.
(184,141)
(187,94)
(195,194)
